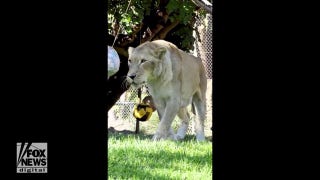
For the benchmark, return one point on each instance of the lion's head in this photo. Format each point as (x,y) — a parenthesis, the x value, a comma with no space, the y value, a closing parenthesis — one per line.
(148,62)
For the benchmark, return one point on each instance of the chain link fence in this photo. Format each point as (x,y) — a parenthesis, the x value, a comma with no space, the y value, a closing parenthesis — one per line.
(203,49)
(123,109)
(203,43)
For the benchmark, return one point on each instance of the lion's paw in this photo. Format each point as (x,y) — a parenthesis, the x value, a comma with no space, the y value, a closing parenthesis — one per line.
(160,136)
(179,137)
(200,137)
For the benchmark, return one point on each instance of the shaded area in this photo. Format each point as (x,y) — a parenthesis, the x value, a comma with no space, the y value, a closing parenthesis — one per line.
(112,132)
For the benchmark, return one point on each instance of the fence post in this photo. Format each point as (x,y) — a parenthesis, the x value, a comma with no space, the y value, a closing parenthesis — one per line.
(137,122)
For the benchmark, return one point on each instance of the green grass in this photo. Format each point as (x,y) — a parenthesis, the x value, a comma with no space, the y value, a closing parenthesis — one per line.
(138,157)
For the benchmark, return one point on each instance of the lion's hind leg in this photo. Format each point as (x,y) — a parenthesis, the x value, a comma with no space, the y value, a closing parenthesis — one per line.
(185,119)
(200,107)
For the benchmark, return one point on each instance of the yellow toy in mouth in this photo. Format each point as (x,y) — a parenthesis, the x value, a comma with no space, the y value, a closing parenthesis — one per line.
(142,112)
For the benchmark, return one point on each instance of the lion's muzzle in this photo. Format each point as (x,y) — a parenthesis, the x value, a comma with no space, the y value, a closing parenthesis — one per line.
(130,78)
(135,82)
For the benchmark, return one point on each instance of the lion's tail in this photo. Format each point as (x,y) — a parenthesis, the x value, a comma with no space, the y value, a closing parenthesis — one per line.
(203,86)
(203,82)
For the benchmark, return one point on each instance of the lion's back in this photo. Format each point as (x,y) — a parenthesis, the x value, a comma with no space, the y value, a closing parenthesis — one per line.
(186,68)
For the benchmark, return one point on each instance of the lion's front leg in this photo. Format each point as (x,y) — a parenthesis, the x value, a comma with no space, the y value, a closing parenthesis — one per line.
(164,130)
(185,118)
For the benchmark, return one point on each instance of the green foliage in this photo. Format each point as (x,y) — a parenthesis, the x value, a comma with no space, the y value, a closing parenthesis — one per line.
(126,16)
(181,10)
(183,38)
(178,10)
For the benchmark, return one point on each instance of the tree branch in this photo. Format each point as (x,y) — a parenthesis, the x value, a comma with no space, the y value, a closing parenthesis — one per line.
(163,33)
(121,51)
(152,33)
(204,4)
(128,39)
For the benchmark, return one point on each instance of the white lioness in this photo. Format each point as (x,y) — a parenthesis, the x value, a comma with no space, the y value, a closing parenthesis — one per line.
(175,80)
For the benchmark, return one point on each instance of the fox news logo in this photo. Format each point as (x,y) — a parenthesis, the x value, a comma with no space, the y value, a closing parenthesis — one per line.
(32,157)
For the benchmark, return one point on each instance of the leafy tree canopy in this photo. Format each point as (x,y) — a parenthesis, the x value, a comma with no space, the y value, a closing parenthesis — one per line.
(144,20)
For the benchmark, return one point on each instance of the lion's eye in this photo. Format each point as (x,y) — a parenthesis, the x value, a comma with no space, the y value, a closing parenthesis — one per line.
(129,60)
(143,60)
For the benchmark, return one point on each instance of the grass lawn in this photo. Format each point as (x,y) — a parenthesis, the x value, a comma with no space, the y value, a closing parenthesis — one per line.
(133,156)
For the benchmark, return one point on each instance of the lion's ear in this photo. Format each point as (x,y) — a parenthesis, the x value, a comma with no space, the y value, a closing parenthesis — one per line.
(160,52)
(130,50)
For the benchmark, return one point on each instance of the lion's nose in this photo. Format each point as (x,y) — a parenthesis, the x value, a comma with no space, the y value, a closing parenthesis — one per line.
(132,76)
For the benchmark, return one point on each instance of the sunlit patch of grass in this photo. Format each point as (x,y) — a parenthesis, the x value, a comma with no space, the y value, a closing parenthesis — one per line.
(138,157)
